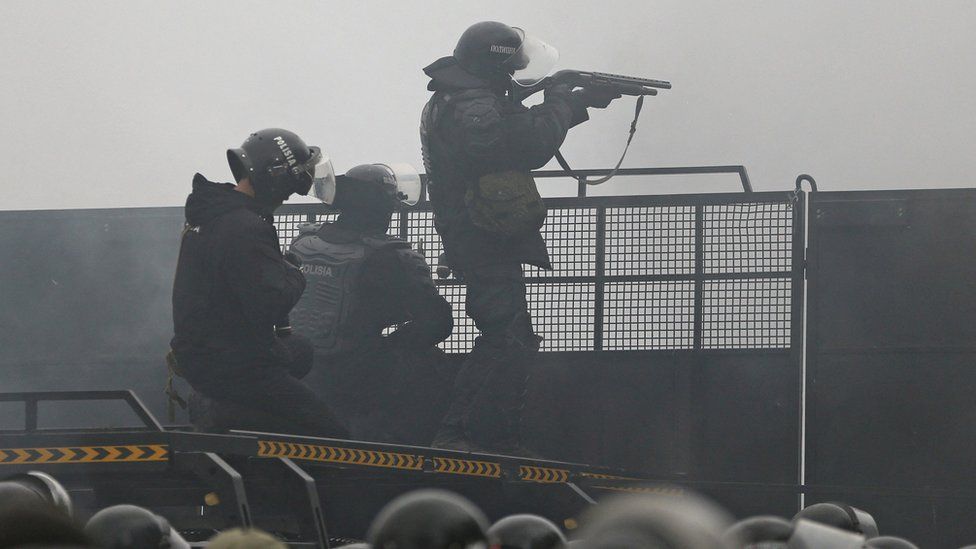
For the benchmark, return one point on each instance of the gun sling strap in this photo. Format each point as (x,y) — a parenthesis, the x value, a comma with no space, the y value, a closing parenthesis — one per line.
(583,179)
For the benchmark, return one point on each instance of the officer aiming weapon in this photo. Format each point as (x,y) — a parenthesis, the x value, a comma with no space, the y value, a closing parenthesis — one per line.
(617,83)
(610,85)
(531,63)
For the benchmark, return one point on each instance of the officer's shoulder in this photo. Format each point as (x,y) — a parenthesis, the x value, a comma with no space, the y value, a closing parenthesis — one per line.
(308,229)
(474,102)
(248,223)
(385,242)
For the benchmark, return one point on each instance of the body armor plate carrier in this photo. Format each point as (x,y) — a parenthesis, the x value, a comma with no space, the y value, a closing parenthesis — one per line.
(331,271)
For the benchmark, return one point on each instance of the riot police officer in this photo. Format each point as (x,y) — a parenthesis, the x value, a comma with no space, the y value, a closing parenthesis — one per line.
(479,145)
(233,291)
(362,282)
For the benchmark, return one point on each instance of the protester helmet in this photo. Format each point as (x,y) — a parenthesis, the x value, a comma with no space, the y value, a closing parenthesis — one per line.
(808,533)
(428,519)
(890,542)
(655,520)
(840,515)
(245,538)
(132,527)
(762,531)
(45,487)
(525,532)
(278,164)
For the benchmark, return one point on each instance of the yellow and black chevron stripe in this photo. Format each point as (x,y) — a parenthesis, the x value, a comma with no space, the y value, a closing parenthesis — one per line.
(531,473)
(348,456)
(84,454)
(468,467)
(604,476)
(665,490)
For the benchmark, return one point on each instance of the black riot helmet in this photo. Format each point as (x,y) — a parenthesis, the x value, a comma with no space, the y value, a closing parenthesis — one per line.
(485,49)
(278,164)
(840,515)
(132,527)
(35,485)
(764,531)
(428,519)
(808,533)
(371,187)
(890,542)
(525,532)
(655,521)
(489,53)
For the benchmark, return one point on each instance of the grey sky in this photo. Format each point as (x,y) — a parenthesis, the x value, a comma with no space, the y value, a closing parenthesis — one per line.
(118,103)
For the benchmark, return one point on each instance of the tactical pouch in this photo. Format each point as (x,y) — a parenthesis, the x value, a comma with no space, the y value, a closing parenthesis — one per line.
(506,203)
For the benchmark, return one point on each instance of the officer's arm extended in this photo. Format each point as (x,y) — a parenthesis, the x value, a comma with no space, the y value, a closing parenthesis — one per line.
(498,138)
(406,280)
(266,285)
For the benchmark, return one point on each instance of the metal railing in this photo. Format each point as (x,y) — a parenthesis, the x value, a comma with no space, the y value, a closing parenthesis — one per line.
(33,398)
(667,272)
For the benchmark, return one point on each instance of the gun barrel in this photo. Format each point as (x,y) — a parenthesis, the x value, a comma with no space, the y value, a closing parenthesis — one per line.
(622,79)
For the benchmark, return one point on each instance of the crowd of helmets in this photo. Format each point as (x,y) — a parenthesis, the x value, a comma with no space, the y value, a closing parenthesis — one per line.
(36,511)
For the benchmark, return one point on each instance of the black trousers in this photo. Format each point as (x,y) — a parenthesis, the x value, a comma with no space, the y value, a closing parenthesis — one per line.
(489,388)
(387,393)
(262,397)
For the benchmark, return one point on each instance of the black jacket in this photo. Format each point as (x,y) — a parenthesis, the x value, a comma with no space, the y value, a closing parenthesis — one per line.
(467,133)
(231,285)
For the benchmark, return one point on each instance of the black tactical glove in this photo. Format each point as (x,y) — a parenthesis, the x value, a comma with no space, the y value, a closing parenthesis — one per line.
(598,97)
(565,93)
(558,90)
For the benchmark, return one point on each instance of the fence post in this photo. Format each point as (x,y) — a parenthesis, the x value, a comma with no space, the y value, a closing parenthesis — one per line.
(699,275)
(599,277)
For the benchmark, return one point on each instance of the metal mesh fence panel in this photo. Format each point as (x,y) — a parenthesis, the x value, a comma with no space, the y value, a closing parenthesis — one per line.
(462,338)
(570,235)
(287,225)
(748,313)
(421,233)
(748,238)
(650,240)
(563,315)
(685,273)
(649,315)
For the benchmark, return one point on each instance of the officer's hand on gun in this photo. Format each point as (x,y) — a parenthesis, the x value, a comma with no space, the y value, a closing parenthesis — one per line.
(597,97)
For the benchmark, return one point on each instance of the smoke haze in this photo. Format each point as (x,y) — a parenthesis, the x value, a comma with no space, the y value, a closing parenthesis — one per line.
(118,103)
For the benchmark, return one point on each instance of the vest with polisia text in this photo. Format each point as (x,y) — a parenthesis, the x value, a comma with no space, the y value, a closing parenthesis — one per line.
(331,271)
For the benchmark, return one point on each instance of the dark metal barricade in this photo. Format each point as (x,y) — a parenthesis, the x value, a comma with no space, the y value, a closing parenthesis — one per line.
(674,272)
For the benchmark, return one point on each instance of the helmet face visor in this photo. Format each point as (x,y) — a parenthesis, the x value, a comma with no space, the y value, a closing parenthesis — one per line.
(533,60)
(408,188)
(323,179)
(318,166)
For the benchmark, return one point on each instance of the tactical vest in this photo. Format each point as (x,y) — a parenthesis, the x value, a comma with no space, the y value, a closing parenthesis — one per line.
(331,273)
(505,203)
